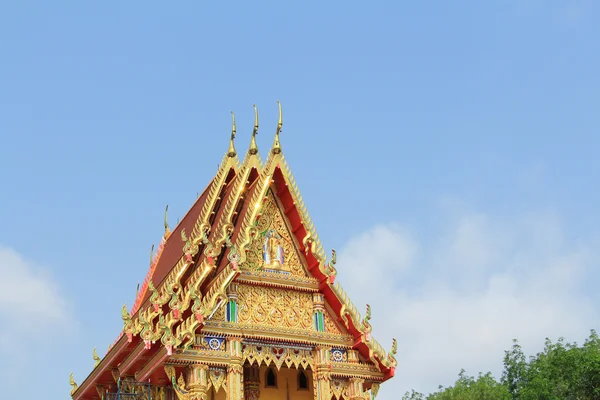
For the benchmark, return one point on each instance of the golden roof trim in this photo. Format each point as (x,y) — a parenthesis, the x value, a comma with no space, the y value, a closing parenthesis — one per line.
(277,334)
(274,279)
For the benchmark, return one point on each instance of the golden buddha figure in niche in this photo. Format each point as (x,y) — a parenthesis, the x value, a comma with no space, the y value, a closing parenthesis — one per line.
(273,254)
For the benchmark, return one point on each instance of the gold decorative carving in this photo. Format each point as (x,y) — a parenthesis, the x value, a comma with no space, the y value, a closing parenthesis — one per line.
(339,388)
(279,356)
(330,326)
(217,379)
(275,307)
(272,220)
(73,384)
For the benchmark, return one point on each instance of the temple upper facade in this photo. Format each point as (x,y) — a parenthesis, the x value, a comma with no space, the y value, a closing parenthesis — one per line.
(241,302)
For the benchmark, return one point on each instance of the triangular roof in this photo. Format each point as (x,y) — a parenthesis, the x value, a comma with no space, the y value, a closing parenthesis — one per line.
(195,264)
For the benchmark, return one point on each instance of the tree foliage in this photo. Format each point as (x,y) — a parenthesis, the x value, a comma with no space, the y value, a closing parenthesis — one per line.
(562,371)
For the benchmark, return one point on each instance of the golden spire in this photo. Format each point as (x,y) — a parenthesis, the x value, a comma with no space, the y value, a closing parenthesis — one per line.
(231,152)
(253,147)
(167,230)
(276,147)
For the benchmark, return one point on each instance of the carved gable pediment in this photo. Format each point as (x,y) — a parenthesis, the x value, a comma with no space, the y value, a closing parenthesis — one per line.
(274,248)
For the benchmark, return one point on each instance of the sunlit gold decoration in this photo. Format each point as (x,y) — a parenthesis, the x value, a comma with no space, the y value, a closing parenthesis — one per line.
(130,327)
(274,307)
(279,356)
(96,358)
(339,388)
(73,384)
(272,219)
(330,326)
(217,378)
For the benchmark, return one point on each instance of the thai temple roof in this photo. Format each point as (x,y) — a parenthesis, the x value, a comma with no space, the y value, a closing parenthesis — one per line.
(197,262)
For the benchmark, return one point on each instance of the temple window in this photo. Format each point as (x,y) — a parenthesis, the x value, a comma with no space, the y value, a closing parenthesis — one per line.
(302,380)
(232,311)
(319,321)
(271,378)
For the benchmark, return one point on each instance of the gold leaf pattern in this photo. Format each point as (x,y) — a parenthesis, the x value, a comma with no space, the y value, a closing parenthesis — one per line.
(275,307)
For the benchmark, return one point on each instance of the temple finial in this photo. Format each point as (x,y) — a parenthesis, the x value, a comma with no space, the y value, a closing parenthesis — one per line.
(253,147)
(73,384)
(167,230)
(231,152)
(151,254)
(276,146)
(96,358)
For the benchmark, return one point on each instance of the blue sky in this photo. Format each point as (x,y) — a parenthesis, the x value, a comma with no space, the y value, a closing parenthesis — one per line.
(452,146)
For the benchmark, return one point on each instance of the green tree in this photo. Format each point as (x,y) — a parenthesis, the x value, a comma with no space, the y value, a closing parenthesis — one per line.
(562,371)
(485,387)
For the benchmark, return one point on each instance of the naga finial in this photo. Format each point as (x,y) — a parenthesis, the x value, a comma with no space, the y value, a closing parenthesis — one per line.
(276,146)
(391,356)
(96,358)
(366,326)
(73,384)
(330,270)
(368,313)
(125,314)
(167,230)
(253,147)
(231,151)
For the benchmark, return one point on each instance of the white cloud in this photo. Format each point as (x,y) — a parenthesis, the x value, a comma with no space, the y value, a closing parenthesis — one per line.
(31,306)
(457,299)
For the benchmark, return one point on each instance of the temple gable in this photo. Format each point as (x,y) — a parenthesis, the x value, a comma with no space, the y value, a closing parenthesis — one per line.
(244,304)
(273,248)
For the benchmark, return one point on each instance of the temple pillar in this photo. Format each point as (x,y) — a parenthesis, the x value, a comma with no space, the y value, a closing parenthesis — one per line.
(252,382)
(355,389)
(197,382)
(235,371)
(322,374)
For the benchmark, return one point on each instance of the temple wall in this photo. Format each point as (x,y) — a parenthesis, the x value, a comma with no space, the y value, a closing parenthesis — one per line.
(221,395)
(287,380)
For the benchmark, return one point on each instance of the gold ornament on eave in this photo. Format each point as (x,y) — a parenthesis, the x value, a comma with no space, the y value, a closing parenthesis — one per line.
(96,358)
(166,223)
(73,384)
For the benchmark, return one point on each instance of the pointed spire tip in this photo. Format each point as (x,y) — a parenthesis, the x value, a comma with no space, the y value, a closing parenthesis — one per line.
(276,146)
(231,151)
(253,146)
